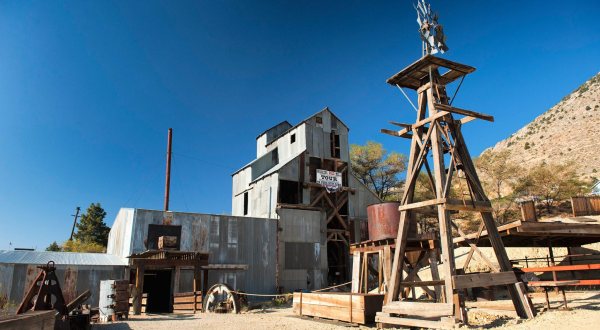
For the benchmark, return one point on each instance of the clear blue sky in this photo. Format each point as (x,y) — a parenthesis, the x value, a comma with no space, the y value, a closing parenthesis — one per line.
(89,88)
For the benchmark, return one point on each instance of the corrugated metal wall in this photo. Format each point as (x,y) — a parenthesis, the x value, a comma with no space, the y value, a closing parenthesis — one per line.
(228,239)
(15,280)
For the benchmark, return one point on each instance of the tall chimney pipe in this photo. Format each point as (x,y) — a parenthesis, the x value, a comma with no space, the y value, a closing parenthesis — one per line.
(168,174)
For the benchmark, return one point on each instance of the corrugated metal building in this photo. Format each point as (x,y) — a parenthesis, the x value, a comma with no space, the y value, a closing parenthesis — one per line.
(229,240)
(76,272)
(316,226)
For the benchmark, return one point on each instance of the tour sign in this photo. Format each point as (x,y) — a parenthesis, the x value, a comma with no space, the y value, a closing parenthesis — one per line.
(332,181)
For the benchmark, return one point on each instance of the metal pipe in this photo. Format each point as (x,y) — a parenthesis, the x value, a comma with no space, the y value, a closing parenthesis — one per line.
(168,174)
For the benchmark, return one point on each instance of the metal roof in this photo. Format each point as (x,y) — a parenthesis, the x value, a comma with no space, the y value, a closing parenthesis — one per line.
(61,258)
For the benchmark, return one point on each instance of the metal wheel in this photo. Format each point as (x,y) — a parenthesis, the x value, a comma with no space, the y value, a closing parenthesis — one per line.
(220,298)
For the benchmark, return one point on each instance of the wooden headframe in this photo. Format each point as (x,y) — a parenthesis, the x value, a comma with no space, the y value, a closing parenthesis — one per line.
(437,133)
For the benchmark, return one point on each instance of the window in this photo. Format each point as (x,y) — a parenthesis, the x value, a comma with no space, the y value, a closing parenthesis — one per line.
(274,157)
(292,138)
(290,192)
(246,203)
(335,145)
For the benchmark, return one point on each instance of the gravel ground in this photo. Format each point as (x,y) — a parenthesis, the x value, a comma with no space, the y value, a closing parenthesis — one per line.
(585,314)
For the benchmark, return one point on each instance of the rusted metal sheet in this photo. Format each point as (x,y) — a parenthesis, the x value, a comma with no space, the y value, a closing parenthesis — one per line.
(70,283)
(32,272)
(383,220)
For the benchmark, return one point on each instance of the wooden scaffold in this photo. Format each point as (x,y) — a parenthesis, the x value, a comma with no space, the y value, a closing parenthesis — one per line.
(436,132)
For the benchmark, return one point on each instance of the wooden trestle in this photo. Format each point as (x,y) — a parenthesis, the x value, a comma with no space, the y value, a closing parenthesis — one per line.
(438,133)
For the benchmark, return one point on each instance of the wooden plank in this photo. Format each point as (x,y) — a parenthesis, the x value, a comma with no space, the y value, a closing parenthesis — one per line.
(356,272)
(483,279)
(561,268)
(448,108)
(421,204)
(552,283)
(471,206)
(190,299)
(400,124)
(423,283)
(188,306)
(385,318)
(332,299)
(419,309)
(404,134)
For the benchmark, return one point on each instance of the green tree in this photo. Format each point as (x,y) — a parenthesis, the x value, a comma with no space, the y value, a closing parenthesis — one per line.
(551,183)
(53,247)
(91,228)
(83,246)
(499,176)
(377,168)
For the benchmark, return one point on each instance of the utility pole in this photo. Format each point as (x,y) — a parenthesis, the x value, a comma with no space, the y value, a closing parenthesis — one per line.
(168,174)
(76,215)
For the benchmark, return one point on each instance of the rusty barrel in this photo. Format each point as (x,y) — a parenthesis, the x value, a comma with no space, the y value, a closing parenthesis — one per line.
(383,220)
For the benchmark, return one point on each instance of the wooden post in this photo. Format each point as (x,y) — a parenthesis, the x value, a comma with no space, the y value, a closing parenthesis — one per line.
(139,288)
(443,216)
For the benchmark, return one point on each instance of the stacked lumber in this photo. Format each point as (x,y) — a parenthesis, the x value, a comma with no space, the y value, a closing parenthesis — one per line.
(357,308)
(187,302)
(121,301)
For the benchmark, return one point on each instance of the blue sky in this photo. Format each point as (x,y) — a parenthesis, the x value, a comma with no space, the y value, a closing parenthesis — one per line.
(89,88)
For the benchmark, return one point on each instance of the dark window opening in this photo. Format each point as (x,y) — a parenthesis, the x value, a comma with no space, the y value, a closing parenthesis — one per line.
(274,157)
(157,284)
(319,120)
(290,192)
(246,203)
(292,138)
(156,231)
(335,145)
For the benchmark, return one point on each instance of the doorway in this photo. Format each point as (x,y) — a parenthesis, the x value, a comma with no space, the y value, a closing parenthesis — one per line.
(157,284)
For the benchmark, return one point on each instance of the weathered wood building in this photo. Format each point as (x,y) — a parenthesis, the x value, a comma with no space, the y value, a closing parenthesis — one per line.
(316,226)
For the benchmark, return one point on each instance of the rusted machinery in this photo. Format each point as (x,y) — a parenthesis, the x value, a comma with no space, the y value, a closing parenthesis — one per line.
(45,294)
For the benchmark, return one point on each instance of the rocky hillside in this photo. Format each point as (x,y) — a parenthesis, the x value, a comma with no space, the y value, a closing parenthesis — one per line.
(569,131)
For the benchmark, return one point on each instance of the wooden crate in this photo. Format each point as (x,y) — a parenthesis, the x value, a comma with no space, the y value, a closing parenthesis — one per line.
(167,242)
(342,306)
(185,301)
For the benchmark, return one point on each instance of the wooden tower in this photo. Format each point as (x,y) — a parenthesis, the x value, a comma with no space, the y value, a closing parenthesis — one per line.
(437,133)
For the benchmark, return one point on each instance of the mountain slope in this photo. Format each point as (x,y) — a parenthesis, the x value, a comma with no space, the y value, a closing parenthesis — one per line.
(569,131)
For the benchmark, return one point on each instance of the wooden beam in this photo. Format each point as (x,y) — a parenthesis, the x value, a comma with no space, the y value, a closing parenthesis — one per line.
(483,279)
(400,124)
(385,318)
(421,204)
(423,283)
(419,309)
(405,135)
(448,108)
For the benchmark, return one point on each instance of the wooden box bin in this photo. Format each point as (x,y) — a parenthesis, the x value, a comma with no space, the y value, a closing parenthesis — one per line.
(185,301)
(343,306)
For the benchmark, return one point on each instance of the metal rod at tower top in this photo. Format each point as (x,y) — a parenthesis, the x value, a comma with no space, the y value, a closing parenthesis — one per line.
(168,174)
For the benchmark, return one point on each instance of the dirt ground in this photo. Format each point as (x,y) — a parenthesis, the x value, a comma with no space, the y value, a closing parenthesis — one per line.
(584,314)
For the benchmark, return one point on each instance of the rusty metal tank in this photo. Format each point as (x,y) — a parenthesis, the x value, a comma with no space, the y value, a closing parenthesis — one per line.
(383,220)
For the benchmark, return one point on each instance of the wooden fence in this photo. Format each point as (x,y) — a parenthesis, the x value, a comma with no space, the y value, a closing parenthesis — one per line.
(585,205)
